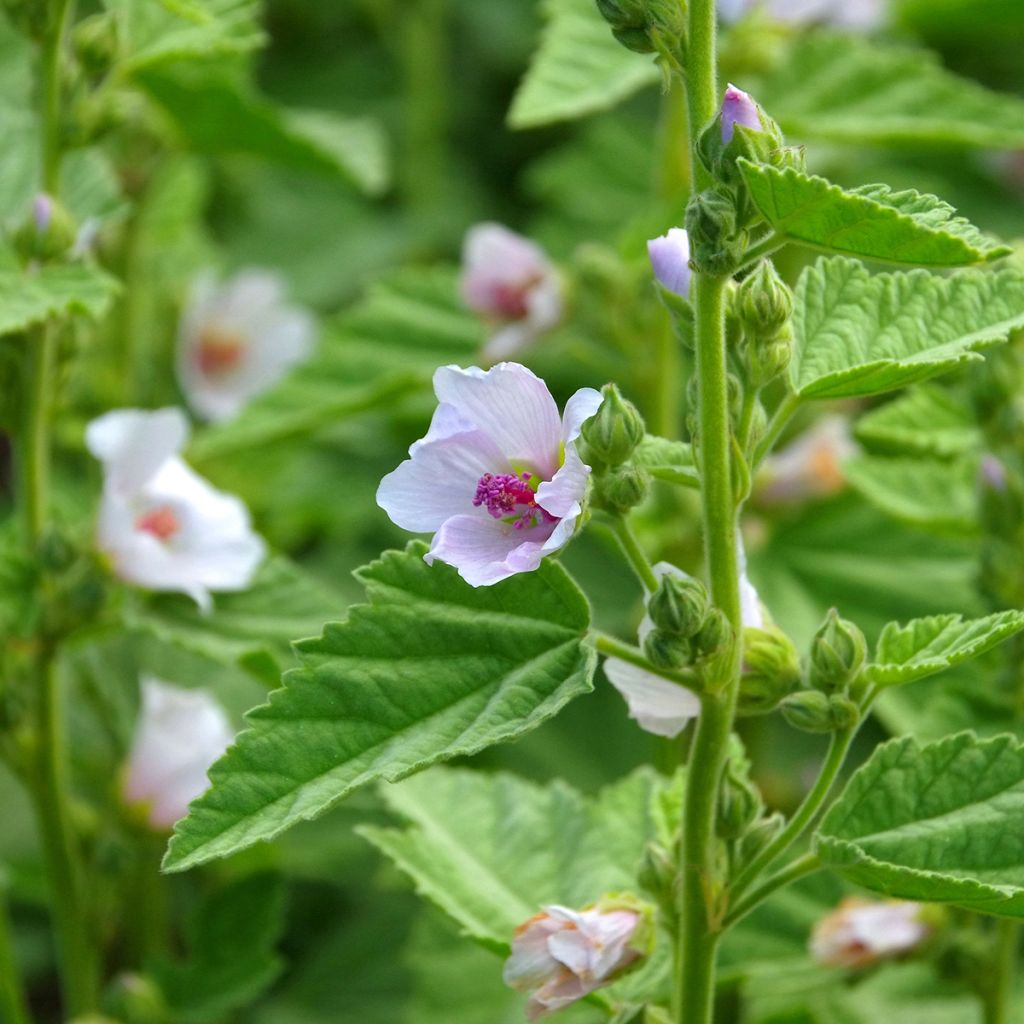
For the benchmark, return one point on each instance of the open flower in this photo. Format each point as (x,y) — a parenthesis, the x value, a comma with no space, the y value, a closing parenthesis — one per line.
(236,340)
(509,281)
(809,467)
(163,526)
(179,734)
(562,955)
(859,933)
(497,479)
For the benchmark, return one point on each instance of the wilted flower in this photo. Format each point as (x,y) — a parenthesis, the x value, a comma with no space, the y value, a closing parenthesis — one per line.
(810,467)
(236,340)
(162,525)
(859,933)
(497,479)
(670,261)
(738,107)
(862,15)
(512,284)
(560,955)
(179,734)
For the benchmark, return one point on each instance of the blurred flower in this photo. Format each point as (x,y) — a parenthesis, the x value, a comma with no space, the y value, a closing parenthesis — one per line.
(509,281)
(497,478)
(738,107)
(670,260)
(862,15)
(179,734)
(163,526)
(560,955)
(236,340)
(859,933)
(811,466)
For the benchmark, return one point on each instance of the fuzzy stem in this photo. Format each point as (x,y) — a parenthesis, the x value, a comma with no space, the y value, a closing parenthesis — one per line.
(997,1002)
(634,553)
(783,414)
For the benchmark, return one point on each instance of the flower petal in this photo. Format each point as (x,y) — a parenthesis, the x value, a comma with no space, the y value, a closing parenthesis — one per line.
(132,444)
(583,404)
(562,495)
(657,705)
(486,550)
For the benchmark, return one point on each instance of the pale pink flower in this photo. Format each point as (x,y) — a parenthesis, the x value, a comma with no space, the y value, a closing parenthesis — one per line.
(738,108)
(510,282)
(560,955)
(809,467)
(161,524)
(670,260)
(178,735)
(859,933)
(860,15)
(497,479)
(237,340)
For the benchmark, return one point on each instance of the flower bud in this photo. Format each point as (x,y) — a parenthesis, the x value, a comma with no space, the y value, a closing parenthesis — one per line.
(47,233)
(769,360)
(137,1000)
(716,241)
(714,634)
(657,875)
(739,803)
(759,835)
(95,43)
(813,711)
(838,652)
(860,933)
(771,670)
(670,261)
(615,430)
(645,26)
(738,107)
(763,303)
(679,605)
(666,650)
(621,489)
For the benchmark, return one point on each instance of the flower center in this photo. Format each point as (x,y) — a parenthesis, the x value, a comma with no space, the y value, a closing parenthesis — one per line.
(161,522)
(219,351)
(511,498)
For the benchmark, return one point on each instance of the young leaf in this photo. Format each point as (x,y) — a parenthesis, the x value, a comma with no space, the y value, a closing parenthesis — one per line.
(668,460)
(861,334)
(30,297)
(942,823)
(578,68)
(431,669)
(871,222)
(926,421)
(929,645)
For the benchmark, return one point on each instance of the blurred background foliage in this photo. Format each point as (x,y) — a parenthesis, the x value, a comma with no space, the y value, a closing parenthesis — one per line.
(349,146)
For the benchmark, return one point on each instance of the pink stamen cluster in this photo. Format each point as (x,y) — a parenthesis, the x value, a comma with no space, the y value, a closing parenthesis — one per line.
(507,496)
(161,522)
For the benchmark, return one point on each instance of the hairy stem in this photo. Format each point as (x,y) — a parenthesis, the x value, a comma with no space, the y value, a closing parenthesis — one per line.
(634,553)
(998,999)
(776,425)
(799,868)
(13,1004)
(613,648)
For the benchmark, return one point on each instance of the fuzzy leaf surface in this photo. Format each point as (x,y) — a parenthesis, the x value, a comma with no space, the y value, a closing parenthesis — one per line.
(27,298)
(861,334)
(872,222)
(672,461)
(942,822)
(578,68)
(927,421)
(925,646)
(430,669)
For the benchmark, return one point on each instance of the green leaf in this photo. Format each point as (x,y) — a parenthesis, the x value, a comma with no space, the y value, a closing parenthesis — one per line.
(431,669)
(929,645)
(942,823)
(31,297)
(927,420)
(923,492)
(578,68)
(861,334)
(871,222)
(865,92)
(217,115)
(668,460)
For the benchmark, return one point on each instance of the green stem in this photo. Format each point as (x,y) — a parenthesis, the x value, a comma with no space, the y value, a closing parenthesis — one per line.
(805,865)
(750,396)
(634,553)
(613,648)
(759,250)
(839,746)
(13,1004)
(998,1000)
(776,425)
(49,95)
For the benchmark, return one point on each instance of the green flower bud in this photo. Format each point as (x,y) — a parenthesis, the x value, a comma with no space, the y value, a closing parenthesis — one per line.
(47,233)
(845,714)
(137,1000)
(814,711)
(763,302)
(667,650)
(769,360)
(771,670)
(645,26)
(714,634)
(614,431)
(838,652)
(679,605)
(716,241)
(759,835)
(658,876)
(95,43)
(739,803)
(621,489)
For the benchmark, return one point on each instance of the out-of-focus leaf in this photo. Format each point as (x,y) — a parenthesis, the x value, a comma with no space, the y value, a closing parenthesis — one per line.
(926,421)
(668,460)
(865,92)
(871,222)
(861,334)
(578,68)
(431,669)
(31,297)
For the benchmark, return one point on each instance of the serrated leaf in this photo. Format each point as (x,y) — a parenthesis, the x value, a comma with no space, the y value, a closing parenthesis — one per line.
(861,334)
(431,669)
(942,823)
(929,645)
(872,222)
(32,297)
(923,492)
(578,68)
(217,115)
(866,92)
(672,461)
(927,420)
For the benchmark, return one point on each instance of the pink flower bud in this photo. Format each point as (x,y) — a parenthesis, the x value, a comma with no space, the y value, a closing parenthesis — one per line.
(670,260)
(738,108)
(860,933)
(42,212)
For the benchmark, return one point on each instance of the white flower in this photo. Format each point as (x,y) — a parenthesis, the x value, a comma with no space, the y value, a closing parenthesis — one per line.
(236,340)
(809,467)
(179,734)
(860,933)
(163,526)
(497,479)
(861,15)
(561,955)
(509,281)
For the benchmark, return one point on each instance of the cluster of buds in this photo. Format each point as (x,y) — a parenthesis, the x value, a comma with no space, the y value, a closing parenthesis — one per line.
(610,438)
(648,26)
(739,801)
(763,305)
